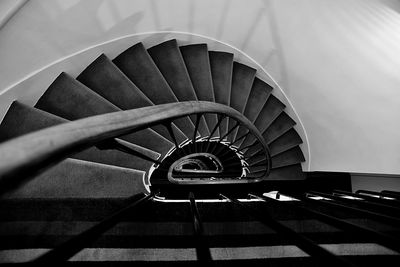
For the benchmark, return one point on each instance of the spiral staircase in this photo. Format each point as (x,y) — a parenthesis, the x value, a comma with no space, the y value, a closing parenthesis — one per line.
(205,126)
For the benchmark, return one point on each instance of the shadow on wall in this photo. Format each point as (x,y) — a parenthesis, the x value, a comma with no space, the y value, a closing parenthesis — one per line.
(101,21)
(392,4)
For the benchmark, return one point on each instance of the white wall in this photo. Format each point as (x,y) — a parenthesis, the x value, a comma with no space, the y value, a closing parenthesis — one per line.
(338,61)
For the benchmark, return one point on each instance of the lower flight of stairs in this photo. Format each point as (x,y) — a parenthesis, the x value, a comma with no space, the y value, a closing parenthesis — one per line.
(159,233)
(166,73)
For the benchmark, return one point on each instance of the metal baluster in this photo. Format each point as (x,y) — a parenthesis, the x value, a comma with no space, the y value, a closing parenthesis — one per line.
(336,205)
(380,238)
(125,147)
(382,201)
(198,117)
(68,249)
(202,248)
(171,133)
(325,257)
(364,205)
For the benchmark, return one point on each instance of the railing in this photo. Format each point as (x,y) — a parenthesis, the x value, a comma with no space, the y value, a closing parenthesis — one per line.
(68,249)
(261,213)
(29,155)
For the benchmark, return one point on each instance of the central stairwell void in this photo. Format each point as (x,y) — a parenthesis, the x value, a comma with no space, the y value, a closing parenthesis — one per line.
(149,132)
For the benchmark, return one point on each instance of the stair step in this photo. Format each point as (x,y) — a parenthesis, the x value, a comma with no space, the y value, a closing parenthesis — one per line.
(279,126)
(292,172)
(160,234)
(138,66)
(259,94)
(269,112)
(21,119)
(368,254)
(169,61)
(289,157)
(81,179)
(197,64)
(68,98)
(284,142)
(221,65)
(242,82)
(118,158)
(104,77)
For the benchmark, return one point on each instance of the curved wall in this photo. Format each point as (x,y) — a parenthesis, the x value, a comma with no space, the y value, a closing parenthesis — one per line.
(337,61)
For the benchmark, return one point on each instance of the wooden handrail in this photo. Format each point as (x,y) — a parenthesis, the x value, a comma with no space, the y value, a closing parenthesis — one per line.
(27,156)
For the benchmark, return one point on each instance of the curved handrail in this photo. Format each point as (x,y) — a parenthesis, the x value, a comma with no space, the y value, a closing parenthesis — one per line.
(29,155)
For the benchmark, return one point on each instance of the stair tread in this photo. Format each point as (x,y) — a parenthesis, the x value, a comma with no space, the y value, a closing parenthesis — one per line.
(242,82)
(106,79)
(221,65)
(169,61)
(136,63)
(286,173)
(292,172)
(22,119)
(279,126)
(272,108)
(103,77)
(286,141)
(260,91)
(198,66)
(259,94)
(68,98)
(74,178)
(288,157)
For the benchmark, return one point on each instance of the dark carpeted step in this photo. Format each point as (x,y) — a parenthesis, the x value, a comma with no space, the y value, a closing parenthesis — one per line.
(21,119)
(68,98)
(259,94)
(138,66)
(74,178)
(103,77)
(284,142)
(170,62)
(292,172)
(269,112)
(198,66)
(242,82)
(175,234)
(279,126)
(288,157)
(221,64)
(291,156)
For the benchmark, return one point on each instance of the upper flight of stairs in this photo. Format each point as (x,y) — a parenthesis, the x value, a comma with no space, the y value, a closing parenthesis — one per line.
(97,179)
(165,73)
